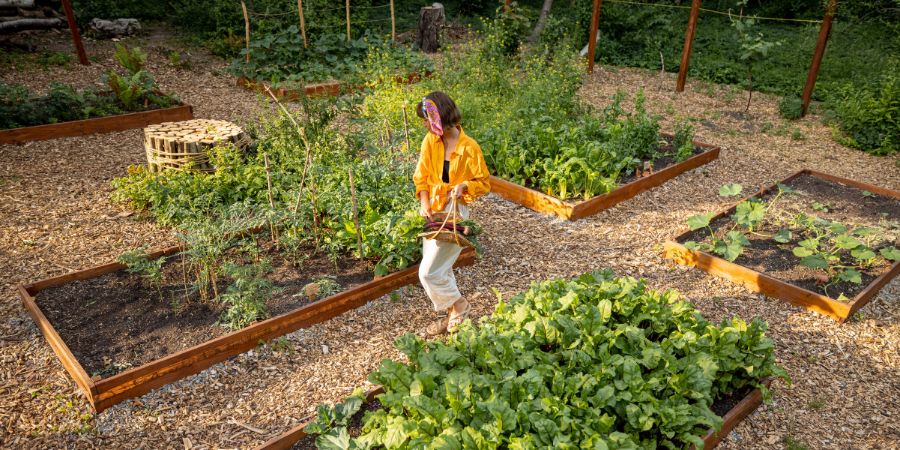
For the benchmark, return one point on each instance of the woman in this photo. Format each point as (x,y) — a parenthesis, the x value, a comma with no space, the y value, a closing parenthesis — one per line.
(450,165)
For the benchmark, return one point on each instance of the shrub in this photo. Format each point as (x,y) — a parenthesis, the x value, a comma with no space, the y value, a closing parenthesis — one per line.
(868,116)
(790,107)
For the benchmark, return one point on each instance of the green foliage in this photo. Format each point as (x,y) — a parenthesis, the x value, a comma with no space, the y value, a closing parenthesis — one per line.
(684,135)
(790,107)
(132,60)
(731,190)
(868,115)
(127,89)
(138,261)
(511,25)
(593,362)
(246,295)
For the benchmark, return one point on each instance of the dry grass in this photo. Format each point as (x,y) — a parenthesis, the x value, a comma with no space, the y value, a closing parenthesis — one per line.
(57,193)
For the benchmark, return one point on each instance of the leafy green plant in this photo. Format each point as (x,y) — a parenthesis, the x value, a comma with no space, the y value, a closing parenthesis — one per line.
(684,135)
(867,114)
(790,107)
(126,88)
(731,190)
(138,261)
(569,363)
(752,48)
(246,295)
(132,60)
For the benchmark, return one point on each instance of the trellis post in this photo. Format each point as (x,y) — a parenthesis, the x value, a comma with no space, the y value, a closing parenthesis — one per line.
(302,23)
(348,20)
(592,39)
(76,36)
(818,54)
(688,46)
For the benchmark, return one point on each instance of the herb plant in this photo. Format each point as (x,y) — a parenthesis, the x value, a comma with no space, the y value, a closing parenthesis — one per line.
(593,362)
(138,261)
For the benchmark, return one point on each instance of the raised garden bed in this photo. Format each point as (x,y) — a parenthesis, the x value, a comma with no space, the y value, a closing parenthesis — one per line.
(543,203)
(771,269)
(87,127)
(105,392)
(328,89)
(735,408)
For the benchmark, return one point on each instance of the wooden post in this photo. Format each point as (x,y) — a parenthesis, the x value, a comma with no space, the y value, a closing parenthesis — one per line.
(506,9)
(246,28)
(348,20)
(76,36)
(302,23)
(269,179)
(390,139)
(406,127)
(355,215)
(818,54)
(592,39)
(688,45)
(393,23)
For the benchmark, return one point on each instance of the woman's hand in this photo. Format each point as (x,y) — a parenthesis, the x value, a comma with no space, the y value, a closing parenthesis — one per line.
(459,190)
(425,208)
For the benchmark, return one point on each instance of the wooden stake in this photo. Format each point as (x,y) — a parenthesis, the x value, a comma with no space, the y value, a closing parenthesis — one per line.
(305,167)
(592,39)
(355,216)
(406,128)
(348,20)
(390,141)
(688,45)
(818,54)
(662,72)
(302,23)
(271,201)
(393,23)
(76,36)
(246,27)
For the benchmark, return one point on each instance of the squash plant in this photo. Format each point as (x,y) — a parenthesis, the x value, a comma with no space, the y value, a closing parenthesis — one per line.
(593,362)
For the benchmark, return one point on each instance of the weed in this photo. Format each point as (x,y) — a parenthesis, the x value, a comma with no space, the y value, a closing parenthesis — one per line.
(798,135)
(790,107)
(138,261)
(282,345)
(818,402)
(113,367)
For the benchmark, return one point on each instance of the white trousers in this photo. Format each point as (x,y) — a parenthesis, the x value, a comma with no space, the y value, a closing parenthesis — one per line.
(436,268)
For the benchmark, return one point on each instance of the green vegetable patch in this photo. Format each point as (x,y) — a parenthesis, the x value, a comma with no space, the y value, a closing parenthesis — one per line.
(588,363)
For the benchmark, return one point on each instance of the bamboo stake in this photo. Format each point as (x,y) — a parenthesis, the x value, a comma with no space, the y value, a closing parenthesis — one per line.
(312,190)
(662,72)
(271,201)
(348,20)
(406,128)
(246,28)
(393,23)
(355,216)
(302,23)
(303,137)
(390,141)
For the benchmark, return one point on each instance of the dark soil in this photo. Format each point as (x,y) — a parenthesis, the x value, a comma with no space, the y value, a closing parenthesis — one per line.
(118,320)
(724,405)
(846,205)
(354,429)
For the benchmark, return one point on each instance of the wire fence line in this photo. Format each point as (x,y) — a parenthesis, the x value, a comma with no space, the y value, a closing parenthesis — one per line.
(714,11)
(307,11)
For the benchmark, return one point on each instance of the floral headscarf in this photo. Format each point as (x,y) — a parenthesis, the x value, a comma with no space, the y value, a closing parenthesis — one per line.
(433,117)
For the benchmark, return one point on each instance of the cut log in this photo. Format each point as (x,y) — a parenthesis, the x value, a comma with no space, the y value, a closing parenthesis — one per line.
(114,28)
(176,145)
(29,24)
(431,20)
(16,3)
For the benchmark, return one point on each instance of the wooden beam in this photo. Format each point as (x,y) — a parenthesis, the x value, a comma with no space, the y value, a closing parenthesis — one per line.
(302,22)
(688,46)
(818,54)
(348,20)
(76,36)
(592,38)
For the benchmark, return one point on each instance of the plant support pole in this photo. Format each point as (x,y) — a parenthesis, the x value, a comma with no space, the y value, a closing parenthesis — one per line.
(406,128)
(302,23)
(819,53)
(592,38)
(348,20)
(355,216)
(688,45)
(246,28)
(393,23)
(76,36)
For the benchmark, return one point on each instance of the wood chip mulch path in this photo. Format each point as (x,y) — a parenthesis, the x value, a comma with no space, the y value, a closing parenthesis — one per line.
(56,217)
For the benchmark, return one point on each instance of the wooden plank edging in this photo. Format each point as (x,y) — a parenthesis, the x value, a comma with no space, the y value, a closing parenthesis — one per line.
(87,127)
(318,90)
(770,286)
(731,420)
(138,381)
(546,204)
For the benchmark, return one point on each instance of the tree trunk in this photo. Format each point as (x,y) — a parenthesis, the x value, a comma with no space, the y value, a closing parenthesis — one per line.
(431,19)
(542,21)
(29,24)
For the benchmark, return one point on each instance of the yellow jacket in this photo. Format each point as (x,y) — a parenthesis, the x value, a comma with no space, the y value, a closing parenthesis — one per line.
(466,166)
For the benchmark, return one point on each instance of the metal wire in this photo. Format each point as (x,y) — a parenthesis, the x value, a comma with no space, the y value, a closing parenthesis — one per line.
(714,11)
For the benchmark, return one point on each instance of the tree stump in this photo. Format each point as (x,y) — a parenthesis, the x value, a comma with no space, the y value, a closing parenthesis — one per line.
(179,145)
(431,19)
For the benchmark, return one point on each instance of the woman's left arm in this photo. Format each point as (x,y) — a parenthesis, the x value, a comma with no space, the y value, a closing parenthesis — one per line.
(479,182)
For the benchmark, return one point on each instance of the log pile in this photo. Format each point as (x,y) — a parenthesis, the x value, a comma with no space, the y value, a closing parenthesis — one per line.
(185,145)
(19,15)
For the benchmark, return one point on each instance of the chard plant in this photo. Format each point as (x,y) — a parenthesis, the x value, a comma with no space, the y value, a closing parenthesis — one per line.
(593,362)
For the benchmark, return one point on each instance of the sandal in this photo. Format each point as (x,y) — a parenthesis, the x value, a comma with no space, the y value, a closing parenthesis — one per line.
(439,326)
(458,318)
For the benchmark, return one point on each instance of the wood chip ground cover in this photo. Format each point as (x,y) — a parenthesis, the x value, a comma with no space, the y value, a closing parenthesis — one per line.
(55,196)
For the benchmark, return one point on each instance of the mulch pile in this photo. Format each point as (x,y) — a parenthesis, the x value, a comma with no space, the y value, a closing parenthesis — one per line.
(57,217)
